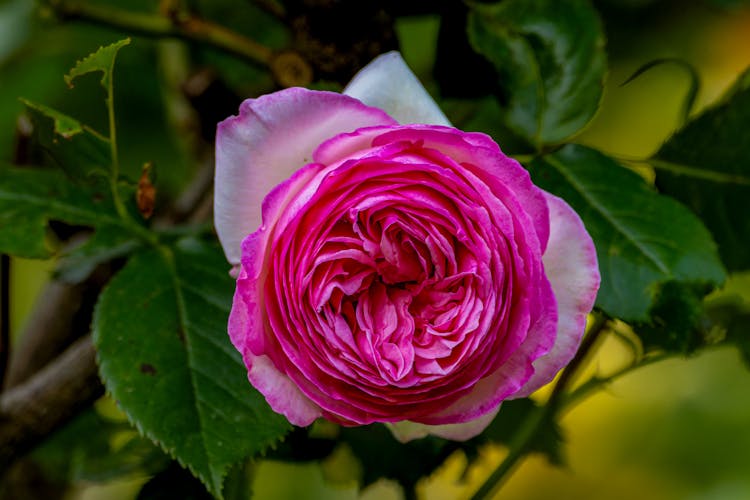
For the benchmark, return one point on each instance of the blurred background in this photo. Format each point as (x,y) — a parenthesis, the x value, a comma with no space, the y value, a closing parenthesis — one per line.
(679,429)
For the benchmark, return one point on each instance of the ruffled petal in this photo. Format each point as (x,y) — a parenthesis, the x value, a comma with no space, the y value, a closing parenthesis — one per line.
(571,266)
(274,136)
(388,83)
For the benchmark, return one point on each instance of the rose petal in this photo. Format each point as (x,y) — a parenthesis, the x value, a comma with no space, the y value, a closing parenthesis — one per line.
(280,392)
(388,83)
(571,266)
(405,430)
(274,136)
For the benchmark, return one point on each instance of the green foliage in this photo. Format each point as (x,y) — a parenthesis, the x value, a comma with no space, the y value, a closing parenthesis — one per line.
(706,165)
(80,151)
(98,458)
(30,198)
(513,414)
(108,242)
(160,331)
(550,60)
(636,249)
(674,323)
(102,60)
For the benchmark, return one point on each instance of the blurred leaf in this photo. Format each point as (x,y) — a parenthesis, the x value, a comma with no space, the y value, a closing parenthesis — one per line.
(30,198)
(728,314)
(102,60)
(384,457)
(675,318)
(642,238)
(695,83)
(164,354)
(706,165)
(504,428)
(79,150)
(84,450)
(550,60)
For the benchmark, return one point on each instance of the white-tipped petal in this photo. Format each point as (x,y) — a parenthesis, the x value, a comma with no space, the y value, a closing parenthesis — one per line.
(388,83)
(406,431)
(571,266)
(274,136)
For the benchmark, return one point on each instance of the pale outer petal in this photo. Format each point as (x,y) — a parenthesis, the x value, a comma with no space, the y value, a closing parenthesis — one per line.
(274,136)
(405,431)
(388,83)
(571,266)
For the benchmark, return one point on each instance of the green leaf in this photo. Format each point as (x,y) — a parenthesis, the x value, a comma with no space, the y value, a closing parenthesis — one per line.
(79,150)
(728,314)
(642,238)
(106,243)
(706,165)
(164,354)
(504,428)
(675,319)
(84,450)
(382,456)
(102,60)
(30,198)
(695,82)
(550,60)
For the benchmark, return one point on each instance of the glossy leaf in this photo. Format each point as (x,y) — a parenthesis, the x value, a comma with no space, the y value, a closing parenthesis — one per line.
(642,238)
(164,354)
(30,198)
(706,165)
(550,61)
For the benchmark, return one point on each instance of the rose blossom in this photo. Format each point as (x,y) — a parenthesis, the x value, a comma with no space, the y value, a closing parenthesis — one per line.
(391,268)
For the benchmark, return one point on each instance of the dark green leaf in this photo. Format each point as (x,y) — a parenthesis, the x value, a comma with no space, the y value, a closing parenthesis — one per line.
(550,60)
(106,243)
(102,60)
(706,165)
(642,238)
(76,148)
(29,198)
(504,428)
(164,354)
(674,323)
(83,450)
(382,456)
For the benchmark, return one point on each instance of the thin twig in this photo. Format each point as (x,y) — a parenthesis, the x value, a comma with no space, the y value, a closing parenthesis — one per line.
(519,447)
(186,27)
(272,7)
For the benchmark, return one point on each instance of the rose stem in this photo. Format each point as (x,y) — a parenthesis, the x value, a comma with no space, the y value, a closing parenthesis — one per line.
(519,447)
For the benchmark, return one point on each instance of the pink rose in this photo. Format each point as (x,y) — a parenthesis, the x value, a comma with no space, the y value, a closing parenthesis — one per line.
(392,268)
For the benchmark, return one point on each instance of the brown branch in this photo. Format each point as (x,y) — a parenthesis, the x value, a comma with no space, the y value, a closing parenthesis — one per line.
(47,332)
(186,27)
(48,400)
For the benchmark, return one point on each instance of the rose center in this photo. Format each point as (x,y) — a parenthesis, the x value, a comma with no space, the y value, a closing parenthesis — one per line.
(405,292)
